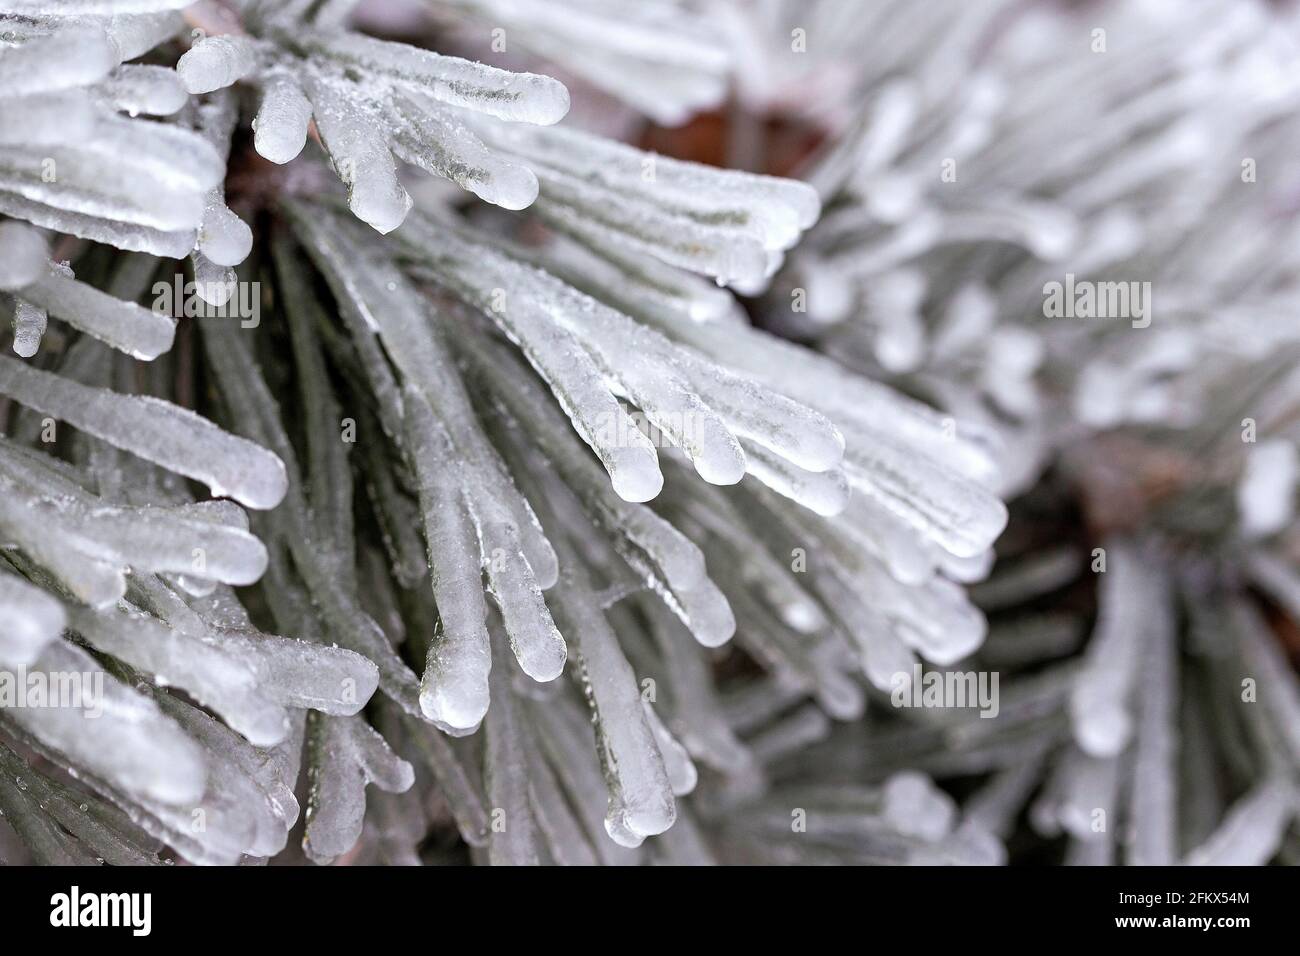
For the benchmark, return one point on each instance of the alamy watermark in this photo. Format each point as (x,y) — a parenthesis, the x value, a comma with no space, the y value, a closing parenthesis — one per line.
(632,427)
(64,690)
(1085,299)
(238,300)
(946,690)
(74,908)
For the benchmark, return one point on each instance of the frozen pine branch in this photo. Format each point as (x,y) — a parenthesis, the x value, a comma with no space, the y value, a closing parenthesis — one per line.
(663,57)
(481,488)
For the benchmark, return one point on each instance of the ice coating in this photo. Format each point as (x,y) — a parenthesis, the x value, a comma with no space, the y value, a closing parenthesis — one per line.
(682,775)
(345,755)
(25,255)
(124,235)
(454,688)
(868,588)
(436,139)
(514,843)
(29,619)
(652,546)
(280,127)
(916,806)
(958,514)
(519,97)
(359,154)
(504,520)
(45,118)
(80,7)
(343,619)
(640,794)
(579,386)
(248,805)
(827,493)
(1265,496)
(72,56)
(218,680)
(152,90)
(118,192)
(664,63)
(679,403)
(1134,611)
(223,238)
(538,645)
(150,539)
(217,62)
(140,332)
(157,431)
(131,745)
(29,326)
(1251,832)
(771,210)
(1153,799)
(136,33)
